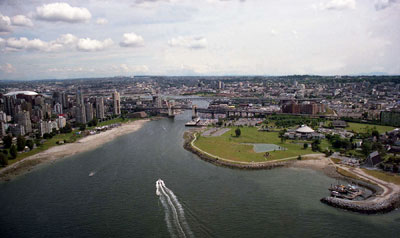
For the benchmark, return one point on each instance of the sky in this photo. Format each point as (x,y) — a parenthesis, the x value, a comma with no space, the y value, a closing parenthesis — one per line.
(42,39)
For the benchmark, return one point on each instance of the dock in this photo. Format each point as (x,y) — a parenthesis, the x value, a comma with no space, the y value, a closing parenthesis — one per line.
(348,192)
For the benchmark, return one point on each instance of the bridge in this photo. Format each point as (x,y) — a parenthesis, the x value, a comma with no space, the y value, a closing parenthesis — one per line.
(229,112)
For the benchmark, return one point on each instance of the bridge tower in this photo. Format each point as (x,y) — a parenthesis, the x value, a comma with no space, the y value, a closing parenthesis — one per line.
(171,112)
(194,112)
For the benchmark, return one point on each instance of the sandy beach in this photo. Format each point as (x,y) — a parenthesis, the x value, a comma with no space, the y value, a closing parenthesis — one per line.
(85,144)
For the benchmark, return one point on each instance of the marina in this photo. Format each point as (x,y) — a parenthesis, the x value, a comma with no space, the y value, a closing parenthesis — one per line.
(349,191)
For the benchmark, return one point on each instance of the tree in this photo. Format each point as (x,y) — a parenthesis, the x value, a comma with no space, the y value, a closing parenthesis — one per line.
(282,132)
(53,132)
(305,146)
(29,143)
(366,148)
(21,143)
(13,152)
(315,146)
(66,129)
(328,153)
(375,133)
(7,141)
(3,159)
(220,122)
(82,127)
(238,132)
(299,157)
(95,121)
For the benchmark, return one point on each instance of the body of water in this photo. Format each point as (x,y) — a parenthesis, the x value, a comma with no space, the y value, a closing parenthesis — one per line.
(261,148)
(124,197)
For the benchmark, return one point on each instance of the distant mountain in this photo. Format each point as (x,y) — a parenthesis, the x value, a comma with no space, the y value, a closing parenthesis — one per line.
(374,73)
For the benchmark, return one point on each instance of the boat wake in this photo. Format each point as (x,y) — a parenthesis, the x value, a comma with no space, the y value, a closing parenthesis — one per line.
(174,213)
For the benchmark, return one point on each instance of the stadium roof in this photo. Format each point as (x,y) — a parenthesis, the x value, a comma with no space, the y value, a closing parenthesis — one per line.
(28,93)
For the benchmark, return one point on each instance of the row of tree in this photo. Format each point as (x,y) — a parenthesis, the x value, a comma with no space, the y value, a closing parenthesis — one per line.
(286,121)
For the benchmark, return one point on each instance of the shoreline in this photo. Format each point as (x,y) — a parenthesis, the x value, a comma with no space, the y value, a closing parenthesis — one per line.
(385,197)
(61,151)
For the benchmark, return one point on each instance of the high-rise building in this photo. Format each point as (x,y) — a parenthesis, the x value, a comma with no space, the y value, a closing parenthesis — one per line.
(61,122)
(310,108)
(3,116)
(17,130)
(116,103)
(47,127)
(79,97)
(39,101)
(26,106)
(58,109)
(10,105)
(23,119)
(89,111)
(221,85)
(64,100)
(100,108)
(80,114)
(57,97)
(293,108)
(46,108)
(2,129)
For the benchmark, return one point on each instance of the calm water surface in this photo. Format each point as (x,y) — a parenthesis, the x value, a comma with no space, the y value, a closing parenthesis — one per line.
(61,199)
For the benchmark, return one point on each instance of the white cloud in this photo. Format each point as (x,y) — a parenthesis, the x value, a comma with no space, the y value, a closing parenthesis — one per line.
(101,21)
(88,44)
(35,44)
(67,39)
(69,70)
(295,34)
(7,68)
(21,20)
(383,4)
(337,5)
(62,12)
(5,24)
(131,68)
(188,42)
(131,40)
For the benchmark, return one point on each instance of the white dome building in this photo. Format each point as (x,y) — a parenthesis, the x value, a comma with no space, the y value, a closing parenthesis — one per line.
(27,93)
(303,129)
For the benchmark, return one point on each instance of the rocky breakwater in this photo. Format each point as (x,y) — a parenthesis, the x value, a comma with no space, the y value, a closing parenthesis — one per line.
(369,206)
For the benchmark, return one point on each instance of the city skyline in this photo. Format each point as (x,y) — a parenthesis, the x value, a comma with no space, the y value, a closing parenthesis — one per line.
(79,39)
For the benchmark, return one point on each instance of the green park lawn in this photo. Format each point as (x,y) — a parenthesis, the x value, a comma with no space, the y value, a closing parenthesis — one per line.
(230,147)
(362,128)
